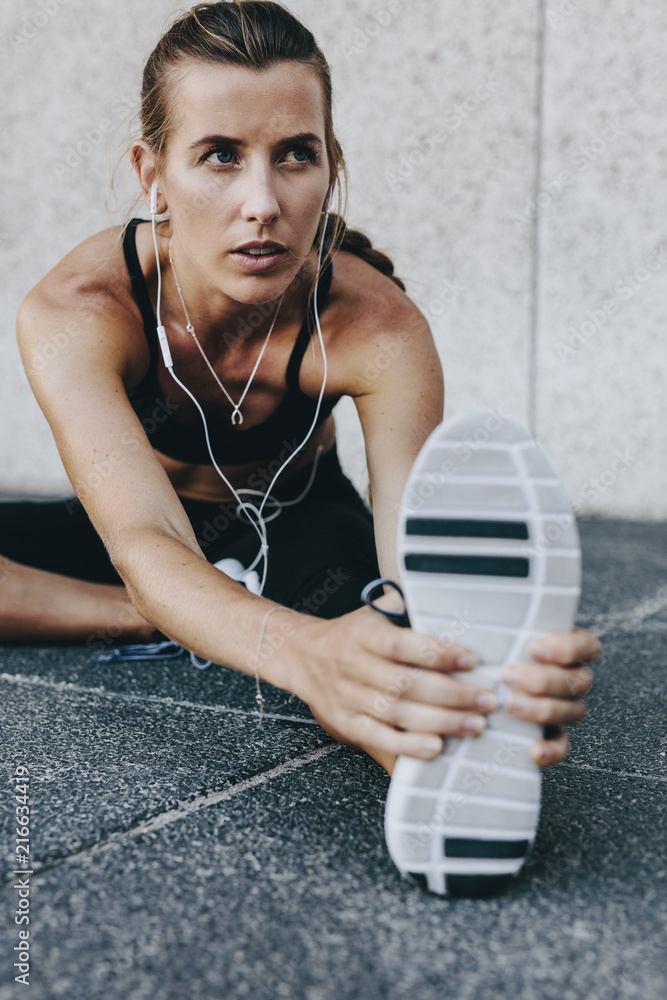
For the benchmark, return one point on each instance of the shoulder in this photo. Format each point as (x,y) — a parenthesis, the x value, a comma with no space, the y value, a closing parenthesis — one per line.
(375,324)
(88,291)
(92,271)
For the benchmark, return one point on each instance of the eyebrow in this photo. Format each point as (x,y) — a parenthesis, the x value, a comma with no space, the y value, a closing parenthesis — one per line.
(228,140)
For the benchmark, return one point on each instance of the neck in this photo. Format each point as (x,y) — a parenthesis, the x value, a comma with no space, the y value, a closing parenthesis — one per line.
(214,314)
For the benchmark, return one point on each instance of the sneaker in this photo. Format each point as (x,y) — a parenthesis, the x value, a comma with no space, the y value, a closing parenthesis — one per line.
(489,557)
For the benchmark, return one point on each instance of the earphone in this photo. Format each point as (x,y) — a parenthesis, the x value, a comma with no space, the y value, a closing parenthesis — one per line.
(260,524)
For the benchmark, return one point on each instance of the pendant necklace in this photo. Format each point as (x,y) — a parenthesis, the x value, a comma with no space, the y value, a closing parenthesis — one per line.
(190,328)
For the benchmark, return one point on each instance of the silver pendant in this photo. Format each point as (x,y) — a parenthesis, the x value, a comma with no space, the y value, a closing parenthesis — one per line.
(240,420)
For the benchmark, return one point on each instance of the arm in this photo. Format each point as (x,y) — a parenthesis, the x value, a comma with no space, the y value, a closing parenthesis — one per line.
(123,486)
(401,405)
(398,409)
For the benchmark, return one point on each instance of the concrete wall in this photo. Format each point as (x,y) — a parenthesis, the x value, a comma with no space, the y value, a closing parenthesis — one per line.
(510,156)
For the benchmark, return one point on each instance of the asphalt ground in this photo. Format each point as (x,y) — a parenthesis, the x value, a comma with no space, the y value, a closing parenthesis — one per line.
(179,852)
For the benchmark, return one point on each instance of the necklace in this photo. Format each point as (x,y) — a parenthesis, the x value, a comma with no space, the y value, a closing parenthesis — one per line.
(190,328)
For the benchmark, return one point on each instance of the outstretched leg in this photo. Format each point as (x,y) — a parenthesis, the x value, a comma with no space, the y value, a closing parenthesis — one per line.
(42,607)
(57,583)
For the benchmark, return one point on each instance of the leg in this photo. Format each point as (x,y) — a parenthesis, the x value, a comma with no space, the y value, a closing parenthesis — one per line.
(321,549)
(57,583)
(321,557)
(41,607)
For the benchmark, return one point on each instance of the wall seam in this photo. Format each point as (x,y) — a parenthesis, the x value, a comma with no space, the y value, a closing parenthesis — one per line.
(535,268)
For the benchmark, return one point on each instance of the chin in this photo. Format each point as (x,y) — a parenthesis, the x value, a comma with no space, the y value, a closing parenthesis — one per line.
(254,290)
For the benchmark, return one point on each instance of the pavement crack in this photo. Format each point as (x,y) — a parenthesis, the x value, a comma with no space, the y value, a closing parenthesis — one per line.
(152,698)
(630,619)
(616,774)
(184,809)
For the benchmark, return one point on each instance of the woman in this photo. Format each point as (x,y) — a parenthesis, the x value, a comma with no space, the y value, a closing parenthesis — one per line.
(238,145)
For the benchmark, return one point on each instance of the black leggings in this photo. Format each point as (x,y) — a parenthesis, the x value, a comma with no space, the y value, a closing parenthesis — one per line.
(321,550)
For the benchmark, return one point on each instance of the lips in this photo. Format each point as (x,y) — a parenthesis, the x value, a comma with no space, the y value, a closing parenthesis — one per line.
(260,248)
(259,255)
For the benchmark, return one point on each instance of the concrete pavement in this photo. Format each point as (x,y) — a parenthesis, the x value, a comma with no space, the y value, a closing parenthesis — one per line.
(180,853)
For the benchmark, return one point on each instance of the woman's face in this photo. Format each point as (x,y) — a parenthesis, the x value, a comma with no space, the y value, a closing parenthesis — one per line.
(246,163)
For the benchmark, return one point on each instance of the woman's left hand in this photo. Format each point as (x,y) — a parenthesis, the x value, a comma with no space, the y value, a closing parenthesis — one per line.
(550,691)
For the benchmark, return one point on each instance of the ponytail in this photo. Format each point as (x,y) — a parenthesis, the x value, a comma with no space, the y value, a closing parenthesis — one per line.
(356,242)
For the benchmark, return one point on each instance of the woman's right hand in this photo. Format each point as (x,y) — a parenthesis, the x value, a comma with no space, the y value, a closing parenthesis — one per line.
(377,687)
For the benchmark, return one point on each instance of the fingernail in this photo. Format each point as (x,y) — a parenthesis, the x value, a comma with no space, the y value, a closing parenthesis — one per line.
(511,675)
(466,661)
(432,744)
(474,725)
(517,703)
(545,755)
(542,649)
(487,700)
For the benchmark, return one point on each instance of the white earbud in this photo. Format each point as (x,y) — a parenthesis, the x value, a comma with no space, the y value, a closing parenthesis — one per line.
(161,332)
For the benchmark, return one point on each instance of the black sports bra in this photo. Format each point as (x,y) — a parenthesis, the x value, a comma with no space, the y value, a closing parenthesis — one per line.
(284,429)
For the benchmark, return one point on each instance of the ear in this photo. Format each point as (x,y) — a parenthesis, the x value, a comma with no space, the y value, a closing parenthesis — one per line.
(143,164)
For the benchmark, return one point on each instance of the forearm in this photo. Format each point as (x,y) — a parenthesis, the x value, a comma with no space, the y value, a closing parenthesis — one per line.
(385,523)
(205,611)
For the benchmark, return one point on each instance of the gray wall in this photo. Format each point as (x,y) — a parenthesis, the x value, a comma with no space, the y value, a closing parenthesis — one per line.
(511,156)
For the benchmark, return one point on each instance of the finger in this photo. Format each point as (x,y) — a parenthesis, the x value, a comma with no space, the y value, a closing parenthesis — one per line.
(369,732)
(566,648)
(416,684)
(404,645)
(417,718)
(545,711)
(552,751)
(547,679)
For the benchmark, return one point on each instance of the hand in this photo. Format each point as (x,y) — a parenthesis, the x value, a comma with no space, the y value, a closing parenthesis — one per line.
(549,692)
(386,689)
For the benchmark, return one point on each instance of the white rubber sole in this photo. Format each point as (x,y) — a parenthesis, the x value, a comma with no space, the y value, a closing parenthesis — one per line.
(489,556)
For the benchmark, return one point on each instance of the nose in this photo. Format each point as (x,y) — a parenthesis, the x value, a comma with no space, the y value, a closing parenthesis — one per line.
(260,202)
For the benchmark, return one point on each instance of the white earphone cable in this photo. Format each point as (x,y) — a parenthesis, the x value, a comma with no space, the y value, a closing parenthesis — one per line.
(260,525)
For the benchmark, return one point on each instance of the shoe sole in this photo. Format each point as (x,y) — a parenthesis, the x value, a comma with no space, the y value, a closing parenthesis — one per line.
(489,556)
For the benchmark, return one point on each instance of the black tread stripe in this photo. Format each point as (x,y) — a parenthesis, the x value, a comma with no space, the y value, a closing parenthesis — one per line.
(456,528)
(466,848)
(468,565)
(476,886)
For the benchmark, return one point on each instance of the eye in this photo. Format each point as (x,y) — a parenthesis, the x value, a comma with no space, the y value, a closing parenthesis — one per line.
(301,154)
(221,156)
(225,156)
